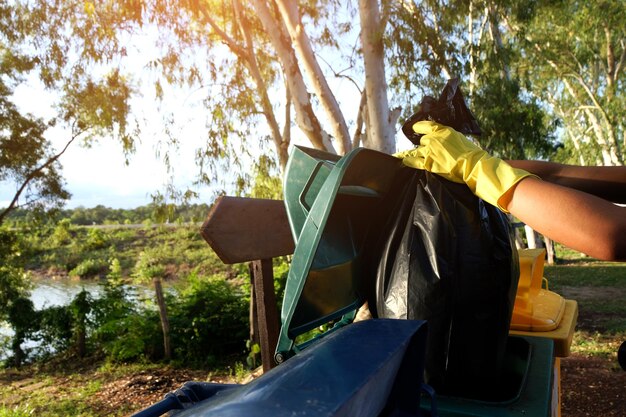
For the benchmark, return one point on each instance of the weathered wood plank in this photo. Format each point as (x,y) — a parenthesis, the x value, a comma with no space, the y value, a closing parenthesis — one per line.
(266,309)
(242,229)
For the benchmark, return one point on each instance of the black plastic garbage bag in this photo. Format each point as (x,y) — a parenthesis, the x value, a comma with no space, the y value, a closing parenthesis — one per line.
(449,110)
(447,257)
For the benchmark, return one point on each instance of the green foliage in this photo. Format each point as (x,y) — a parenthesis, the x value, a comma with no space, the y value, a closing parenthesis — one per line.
(23,319)
(266,180)
(41,40)
(96,239)
(130,338)
(208,319)
(55,329)
(571,48)
(12,277)
(115,314)
(151,263)
(281,271)
(61,234)
(524,133)
(118,324)
(428,39)
(16,308)
(254,356)
(89,268)
(24,150)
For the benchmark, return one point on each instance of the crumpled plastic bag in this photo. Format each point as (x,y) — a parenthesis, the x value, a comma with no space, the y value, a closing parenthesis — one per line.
(449,110)
(448,257)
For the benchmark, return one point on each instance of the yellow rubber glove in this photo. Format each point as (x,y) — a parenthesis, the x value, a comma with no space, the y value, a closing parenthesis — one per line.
(448,153)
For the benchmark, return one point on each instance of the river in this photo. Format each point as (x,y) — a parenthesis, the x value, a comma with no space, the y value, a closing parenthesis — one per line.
(54,292)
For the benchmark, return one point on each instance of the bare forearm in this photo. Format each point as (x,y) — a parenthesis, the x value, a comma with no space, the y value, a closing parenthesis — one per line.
(608,183)
(578,220)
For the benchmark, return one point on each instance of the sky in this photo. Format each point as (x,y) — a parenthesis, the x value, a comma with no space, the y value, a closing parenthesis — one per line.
(99,174)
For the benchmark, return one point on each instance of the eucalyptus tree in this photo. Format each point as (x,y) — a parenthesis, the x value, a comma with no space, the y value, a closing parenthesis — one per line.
(576,55)
(39,41)
(279,62)
(433,41)
(263,67)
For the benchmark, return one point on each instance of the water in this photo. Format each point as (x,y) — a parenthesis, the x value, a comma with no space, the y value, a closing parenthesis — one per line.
(59,292)
(55,292)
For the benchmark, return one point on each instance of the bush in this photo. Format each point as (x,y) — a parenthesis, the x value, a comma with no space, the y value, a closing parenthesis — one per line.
(130,338)
(90,268)
(208,319)
(96,239)
(61,234)
(55,332)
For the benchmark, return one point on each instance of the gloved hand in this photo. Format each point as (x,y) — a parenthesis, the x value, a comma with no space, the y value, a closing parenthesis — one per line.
(448,153)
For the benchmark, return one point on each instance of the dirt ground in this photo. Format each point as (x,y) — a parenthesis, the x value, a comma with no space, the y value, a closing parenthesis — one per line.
(590,387)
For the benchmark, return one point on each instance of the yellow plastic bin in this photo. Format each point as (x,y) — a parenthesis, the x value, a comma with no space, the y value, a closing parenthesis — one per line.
(539,312)
(536,309)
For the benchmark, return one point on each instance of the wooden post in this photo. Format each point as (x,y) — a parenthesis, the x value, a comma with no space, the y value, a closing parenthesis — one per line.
(266,309)
(254,318)
(165,323)
(253,230)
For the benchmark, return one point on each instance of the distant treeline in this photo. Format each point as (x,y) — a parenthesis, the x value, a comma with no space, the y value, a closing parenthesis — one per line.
(100,215)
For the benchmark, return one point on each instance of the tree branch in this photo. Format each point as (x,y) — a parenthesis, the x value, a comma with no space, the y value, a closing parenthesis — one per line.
(232,44)
(291,17)
(32,175)
(358,132)
(255,71)
(622,58)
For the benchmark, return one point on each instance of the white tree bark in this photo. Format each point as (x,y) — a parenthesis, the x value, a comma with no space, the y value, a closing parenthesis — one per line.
(302,45)
(381,131)
(246,53)
(306,119)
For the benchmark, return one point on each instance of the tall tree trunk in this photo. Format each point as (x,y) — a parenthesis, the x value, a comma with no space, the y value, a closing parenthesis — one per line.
(165,323)
(16,347)
(81,341)
(302,45)
(306,119)
(247,54)
(381,132)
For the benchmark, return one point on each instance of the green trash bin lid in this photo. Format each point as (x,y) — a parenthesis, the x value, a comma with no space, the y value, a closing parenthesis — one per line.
(305,173)
(328,280)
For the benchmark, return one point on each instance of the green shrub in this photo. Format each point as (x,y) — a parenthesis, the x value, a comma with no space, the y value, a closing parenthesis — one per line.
(208,319)
(61,234)
(130,338)
(89,268)
(96,239)
(55,333)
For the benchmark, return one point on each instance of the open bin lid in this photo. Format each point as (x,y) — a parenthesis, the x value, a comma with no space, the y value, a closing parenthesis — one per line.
(305,173)
(336,212)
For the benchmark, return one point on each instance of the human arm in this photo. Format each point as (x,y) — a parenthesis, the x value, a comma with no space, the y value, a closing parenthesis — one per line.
(608,183)
(576,219)
(579,220)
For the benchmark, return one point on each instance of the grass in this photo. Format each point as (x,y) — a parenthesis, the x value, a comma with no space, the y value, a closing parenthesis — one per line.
(594,273)
(600,290)
(81,389)
(46,395)
(59,390)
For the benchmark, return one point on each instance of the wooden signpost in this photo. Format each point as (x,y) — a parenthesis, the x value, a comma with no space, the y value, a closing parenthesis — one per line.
(253,230)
